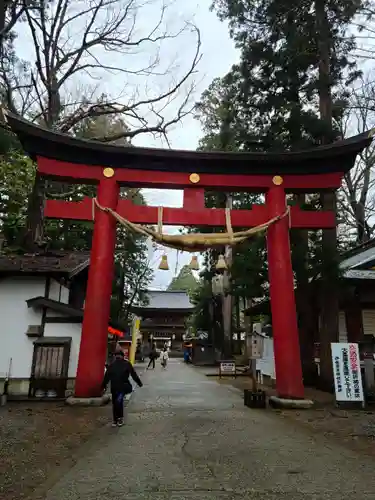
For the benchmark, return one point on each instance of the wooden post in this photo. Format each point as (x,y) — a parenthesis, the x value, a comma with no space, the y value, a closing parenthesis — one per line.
(254,374)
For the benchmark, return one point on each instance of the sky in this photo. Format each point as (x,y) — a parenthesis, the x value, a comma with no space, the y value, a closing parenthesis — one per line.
(218,55)
(174,57)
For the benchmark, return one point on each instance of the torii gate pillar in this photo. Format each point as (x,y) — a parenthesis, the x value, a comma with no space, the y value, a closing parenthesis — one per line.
(93,348)
(284,319)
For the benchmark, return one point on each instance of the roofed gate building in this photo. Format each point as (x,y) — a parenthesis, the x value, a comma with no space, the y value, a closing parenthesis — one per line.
(164,319)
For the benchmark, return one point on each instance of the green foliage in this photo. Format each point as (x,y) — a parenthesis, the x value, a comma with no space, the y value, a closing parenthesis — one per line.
(65,234)
(17,176)
(249,269)
(201,298)
(271,95)
(8,142)
(185,281)
(132,275)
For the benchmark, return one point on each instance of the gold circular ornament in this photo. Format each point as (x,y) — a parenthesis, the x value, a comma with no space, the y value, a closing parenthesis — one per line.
(277,180)
(108,172)
(194,178)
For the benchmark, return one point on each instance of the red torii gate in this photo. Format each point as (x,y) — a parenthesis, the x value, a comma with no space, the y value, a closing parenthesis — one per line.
(65,158)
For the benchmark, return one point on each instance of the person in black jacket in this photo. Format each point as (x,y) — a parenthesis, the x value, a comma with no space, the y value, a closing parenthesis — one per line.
(118,373)
(152,357)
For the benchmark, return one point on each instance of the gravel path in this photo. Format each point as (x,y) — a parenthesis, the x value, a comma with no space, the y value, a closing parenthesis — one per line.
(187,437)
(38,438)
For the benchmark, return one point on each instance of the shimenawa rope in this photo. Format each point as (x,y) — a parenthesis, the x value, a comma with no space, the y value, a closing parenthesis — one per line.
(191,242)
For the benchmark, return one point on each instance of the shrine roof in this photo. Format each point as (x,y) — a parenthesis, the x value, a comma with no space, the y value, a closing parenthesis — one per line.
(359,257)
(159,300)
(335,157)
(45,264)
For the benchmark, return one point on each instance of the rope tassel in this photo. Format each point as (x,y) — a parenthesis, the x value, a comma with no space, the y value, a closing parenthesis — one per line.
(192,242)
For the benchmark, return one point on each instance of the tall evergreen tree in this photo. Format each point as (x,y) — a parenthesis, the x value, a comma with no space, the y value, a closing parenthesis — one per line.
(276,88)
(184,281)
(286,92)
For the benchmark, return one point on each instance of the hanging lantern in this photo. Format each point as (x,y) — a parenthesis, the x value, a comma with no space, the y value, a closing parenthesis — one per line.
(221,265)
(194,265)
(164,263)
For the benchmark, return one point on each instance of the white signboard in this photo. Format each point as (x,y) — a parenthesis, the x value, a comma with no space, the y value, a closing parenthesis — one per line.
(347,372)
(256,347)
(227,368)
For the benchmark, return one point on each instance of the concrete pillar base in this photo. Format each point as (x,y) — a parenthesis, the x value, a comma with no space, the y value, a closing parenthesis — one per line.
(295,404)
(101,401)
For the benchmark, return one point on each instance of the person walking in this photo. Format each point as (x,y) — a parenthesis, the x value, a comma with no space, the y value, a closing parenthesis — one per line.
(117,374)
(152,356)
(164,357)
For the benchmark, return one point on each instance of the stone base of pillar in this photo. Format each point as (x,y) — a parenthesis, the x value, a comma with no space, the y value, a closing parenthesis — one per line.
(293,404)
(101,401)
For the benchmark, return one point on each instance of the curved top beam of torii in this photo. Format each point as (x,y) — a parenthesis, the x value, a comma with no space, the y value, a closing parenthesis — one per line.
(337,157)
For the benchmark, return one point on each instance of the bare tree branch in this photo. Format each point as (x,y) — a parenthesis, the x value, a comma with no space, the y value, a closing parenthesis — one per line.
(357,196)
(10,12)
(76,41)
(364,26)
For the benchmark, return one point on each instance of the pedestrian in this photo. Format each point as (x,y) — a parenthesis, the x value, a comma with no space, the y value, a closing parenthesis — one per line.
(152,356)
(164,357)
(118,373)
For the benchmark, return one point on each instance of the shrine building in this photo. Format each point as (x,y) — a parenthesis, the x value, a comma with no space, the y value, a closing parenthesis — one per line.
(164,319)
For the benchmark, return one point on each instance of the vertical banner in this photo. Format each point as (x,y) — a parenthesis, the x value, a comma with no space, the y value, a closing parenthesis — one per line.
(135,332)
(347,372)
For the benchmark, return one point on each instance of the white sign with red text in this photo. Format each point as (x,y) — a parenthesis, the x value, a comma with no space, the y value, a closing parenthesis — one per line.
(347,372)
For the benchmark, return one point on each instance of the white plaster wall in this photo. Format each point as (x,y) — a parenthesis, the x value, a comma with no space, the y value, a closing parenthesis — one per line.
(67,330)
(65,295)
(58,292)
(15,318)
(267,363)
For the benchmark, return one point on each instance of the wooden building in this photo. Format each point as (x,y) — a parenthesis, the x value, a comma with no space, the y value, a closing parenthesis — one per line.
(164,319)
(42,300)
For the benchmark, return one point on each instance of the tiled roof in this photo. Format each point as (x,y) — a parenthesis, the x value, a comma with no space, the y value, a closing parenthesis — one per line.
(43,263)
(358,249)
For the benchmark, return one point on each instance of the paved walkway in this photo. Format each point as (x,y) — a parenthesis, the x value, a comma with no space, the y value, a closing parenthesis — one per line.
(187,437)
